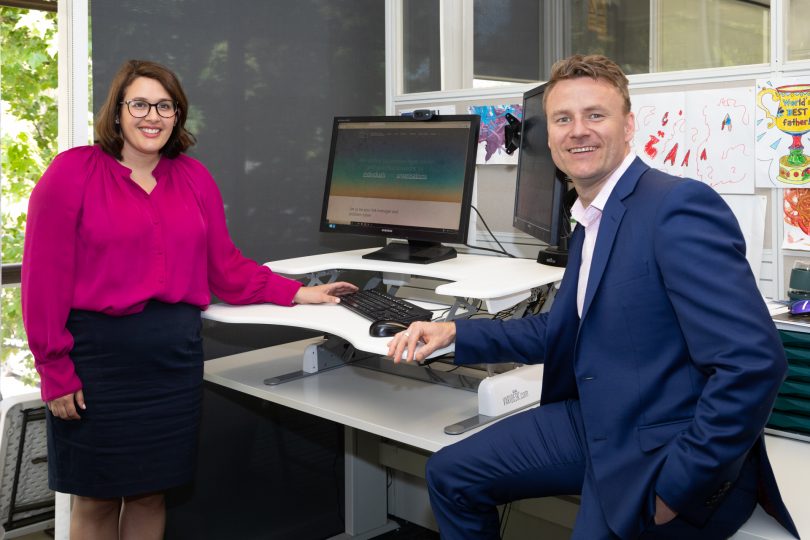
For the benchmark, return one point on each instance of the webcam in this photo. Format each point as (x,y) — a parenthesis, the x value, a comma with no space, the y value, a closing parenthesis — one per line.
(423,114)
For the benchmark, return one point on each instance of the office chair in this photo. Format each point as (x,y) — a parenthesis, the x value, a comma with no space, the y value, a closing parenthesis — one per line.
(26,503)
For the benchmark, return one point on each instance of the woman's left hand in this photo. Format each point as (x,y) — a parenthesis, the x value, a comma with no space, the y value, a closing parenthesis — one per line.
(323,294)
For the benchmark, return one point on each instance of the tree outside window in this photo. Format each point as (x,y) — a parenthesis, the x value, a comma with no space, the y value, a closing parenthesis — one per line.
(28,143)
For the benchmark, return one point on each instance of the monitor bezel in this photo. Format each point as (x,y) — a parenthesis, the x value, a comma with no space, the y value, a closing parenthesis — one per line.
(416,234)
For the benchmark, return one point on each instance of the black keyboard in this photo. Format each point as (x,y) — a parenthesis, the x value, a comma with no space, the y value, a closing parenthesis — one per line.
(375,305)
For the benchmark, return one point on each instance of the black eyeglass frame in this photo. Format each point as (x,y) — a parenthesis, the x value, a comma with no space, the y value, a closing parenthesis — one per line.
(155,105)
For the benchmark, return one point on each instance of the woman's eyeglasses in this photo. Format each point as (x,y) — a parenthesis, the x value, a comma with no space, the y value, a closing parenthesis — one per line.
(139,108)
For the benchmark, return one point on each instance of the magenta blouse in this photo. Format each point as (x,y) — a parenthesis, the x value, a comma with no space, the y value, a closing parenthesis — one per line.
(96,241)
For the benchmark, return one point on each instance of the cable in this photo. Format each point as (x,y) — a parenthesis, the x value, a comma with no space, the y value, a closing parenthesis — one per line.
(483,221)
(498,251)
(505,518)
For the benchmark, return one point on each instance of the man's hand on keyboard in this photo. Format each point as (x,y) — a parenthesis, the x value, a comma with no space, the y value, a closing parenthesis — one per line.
(432,335)
(323,294)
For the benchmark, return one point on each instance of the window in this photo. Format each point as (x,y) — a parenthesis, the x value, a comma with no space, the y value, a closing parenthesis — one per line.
(798,41)
(620,30)
(507,41)
(421,50)
(517,41)
(28,143)
(694,34)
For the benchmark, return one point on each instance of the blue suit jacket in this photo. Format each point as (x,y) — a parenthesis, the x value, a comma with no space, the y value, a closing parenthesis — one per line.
(675,361)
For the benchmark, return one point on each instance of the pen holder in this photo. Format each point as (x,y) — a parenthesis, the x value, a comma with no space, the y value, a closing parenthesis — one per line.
(799,288)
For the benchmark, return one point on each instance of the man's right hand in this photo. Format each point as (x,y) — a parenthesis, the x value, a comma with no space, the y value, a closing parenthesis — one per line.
(65,407)
(431,336)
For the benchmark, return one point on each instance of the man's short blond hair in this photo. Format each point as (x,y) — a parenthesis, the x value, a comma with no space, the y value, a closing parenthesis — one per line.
(595,66)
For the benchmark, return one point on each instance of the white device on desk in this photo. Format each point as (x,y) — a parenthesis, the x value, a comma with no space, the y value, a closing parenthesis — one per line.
(506,392)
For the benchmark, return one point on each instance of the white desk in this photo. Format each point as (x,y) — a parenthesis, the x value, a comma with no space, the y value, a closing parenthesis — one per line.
(499,281)
(384,404)
(370,403)
(470,276)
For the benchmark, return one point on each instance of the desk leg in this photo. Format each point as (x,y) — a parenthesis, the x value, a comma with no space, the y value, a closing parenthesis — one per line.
(366,489)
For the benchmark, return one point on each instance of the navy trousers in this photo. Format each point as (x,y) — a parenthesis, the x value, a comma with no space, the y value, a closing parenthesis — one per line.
(542,452)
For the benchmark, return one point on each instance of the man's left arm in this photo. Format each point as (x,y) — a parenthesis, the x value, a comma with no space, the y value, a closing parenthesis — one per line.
(730,337)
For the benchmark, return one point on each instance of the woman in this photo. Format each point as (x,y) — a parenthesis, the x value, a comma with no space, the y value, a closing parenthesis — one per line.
(124,241)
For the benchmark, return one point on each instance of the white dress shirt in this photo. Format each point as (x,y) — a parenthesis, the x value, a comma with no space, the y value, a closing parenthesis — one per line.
(590,218)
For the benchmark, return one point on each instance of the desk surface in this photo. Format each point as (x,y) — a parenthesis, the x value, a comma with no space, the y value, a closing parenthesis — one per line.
(470,276)
(405,410)
(328,318)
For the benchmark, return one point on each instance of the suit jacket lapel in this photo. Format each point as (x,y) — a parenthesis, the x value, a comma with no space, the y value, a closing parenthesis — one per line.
(609,226)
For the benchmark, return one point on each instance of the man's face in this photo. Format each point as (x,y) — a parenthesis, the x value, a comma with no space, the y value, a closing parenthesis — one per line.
(588,131)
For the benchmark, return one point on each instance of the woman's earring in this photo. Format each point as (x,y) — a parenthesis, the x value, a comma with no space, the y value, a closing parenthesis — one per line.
(117,121)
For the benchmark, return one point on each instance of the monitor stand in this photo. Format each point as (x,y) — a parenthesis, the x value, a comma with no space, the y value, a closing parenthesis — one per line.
(556,255)
(553,256)
(413,252)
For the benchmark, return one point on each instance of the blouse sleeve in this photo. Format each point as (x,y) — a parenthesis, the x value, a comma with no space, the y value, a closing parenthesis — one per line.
(231,276)
(48,270)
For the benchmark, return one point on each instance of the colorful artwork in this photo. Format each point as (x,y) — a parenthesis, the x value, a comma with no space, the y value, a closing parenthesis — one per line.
(783,117)
(707,135)
(660,130)
(796,204)
(491,138)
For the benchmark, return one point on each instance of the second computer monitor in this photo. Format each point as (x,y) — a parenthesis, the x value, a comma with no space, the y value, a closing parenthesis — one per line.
(541,205)
(396,177)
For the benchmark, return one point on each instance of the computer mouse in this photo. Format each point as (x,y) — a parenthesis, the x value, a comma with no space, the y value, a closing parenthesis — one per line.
(800,307)
(386,328)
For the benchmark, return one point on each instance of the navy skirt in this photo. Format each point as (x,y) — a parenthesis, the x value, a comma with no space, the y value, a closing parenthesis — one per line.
(142,380)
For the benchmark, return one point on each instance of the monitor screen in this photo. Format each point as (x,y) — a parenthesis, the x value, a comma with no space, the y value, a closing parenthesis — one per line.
(397,177)
(541,207)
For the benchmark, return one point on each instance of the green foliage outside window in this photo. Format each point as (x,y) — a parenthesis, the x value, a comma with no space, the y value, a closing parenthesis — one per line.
(28,83)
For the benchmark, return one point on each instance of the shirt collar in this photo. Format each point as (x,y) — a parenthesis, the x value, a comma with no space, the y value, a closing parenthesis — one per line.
(586,215)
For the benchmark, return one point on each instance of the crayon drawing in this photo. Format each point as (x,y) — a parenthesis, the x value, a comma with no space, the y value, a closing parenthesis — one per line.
(707,135)
(796,203)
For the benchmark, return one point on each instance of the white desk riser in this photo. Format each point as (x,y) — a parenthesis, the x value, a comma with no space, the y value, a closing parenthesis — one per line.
(408,411)
(500,282)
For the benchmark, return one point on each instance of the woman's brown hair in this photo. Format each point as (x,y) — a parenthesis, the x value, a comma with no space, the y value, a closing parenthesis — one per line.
(108,131)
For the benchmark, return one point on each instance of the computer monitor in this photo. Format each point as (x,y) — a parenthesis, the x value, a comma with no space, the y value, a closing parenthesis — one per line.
(542,202)
(405,178)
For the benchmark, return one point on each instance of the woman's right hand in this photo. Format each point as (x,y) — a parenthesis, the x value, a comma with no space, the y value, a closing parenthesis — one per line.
(65,407)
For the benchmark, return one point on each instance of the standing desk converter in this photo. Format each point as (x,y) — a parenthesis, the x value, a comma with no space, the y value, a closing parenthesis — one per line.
(371,403)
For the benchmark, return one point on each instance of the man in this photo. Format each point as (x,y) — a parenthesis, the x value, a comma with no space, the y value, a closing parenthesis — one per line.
(661,361)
